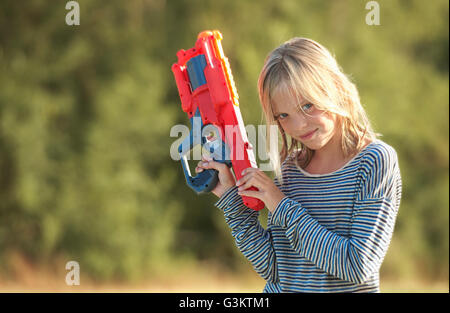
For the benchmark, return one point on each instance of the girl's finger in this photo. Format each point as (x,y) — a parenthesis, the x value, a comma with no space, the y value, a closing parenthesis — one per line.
(201,164)
(252,182)
(214,165)
(250,170)
(248,175)
(243,180)
(250,193)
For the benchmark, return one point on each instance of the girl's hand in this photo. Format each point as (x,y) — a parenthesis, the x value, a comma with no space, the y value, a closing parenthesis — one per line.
(267,192)
(226,177)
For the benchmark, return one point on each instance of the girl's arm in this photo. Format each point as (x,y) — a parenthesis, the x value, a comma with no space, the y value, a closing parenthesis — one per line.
(358,256)
(251,238)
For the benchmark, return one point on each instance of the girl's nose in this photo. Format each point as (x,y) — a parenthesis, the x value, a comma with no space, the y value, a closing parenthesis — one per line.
(300,120)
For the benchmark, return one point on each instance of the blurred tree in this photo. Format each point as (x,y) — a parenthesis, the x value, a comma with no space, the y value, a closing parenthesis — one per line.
(86,112)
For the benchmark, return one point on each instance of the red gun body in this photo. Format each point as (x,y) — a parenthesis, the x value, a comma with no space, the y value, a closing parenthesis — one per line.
(217,101)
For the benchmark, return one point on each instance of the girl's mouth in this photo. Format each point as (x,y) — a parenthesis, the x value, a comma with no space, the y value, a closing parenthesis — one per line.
(309,135)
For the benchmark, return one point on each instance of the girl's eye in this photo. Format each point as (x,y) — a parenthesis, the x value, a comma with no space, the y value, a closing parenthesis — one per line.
(307,106)
(281,116)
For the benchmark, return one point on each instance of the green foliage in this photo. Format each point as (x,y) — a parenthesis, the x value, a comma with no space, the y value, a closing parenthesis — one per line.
(86,112)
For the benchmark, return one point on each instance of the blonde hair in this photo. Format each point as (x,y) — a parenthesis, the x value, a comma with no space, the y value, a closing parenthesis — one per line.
(307,70)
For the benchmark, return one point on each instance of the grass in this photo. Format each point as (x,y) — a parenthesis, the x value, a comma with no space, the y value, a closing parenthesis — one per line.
(196,278)
(196,282)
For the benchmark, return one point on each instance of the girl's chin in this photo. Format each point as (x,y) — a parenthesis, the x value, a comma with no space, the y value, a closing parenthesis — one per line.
(314,144)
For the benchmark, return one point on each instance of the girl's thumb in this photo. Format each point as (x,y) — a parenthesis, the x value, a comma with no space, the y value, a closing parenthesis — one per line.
(213,164)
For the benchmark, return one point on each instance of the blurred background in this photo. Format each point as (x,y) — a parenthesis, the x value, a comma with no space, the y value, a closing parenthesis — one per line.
(86,113)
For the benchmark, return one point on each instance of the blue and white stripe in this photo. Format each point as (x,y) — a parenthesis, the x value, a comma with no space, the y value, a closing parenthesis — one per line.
(331,231)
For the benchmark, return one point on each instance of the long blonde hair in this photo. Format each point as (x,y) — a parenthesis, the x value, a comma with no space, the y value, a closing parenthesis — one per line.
(308,71)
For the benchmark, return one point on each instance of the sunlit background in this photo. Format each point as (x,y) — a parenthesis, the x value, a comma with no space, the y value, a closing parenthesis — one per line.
(86,113)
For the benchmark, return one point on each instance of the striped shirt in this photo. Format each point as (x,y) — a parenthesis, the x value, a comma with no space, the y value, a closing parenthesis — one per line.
(330,232)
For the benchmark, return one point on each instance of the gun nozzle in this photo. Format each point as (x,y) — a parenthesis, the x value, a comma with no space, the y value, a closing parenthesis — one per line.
(204,34)
(217,34)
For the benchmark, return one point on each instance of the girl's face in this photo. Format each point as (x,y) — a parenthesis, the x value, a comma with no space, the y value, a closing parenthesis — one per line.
(314,129)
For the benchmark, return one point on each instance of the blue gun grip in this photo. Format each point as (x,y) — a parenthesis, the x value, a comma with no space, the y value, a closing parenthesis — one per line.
(206,180)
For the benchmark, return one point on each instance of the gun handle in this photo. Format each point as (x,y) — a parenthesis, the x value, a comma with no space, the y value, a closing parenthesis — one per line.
(204,181)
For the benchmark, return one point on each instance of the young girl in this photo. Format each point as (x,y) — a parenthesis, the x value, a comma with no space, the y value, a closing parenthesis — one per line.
(337,190)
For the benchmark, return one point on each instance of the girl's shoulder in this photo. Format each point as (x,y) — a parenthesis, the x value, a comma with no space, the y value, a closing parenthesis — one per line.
(379,159)
(379,151)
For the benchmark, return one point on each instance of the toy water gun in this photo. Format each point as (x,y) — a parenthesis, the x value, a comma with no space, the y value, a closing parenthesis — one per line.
(209,97)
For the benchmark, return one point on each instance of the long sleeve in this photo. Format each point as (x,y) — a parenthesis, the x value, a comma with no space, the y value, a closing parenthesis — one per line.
(251,238)
(359,255)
